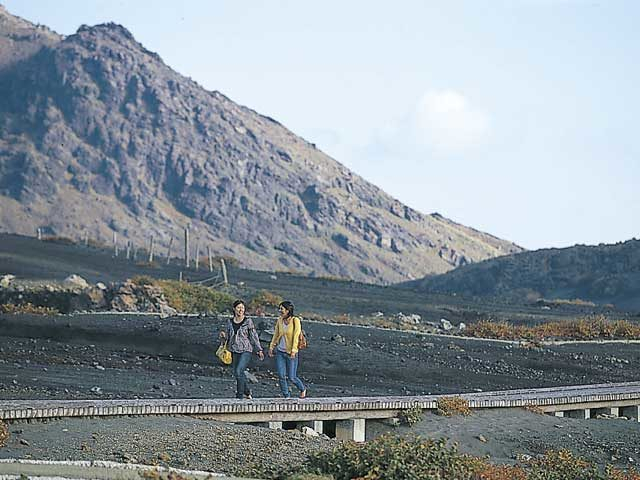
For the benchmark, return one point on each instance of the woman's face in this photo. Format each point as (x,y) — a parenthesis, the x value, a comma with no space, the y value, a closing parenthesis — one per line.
(239,310)
(283,311)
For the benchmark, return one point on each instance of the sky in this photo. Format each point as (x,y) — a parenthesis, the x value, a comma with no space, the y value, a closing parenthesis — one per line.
(515,117)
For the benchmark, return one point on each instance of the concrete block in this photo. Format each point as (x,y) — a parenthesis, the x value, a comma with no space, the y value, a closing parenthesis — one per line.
(351,430)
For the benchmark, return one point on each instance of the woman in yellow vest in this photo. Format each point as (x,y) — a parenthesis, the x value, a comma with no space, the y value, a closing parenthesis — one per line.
(285,344)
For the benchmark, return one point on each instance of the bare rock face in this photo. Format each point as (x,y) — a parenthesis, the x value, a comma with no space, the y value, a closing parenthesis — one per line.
(97,133)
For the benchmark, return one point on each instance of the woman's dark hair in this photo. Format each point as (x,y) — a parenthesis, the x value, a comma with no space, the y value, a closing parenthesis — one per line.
(239,302)
(288,306)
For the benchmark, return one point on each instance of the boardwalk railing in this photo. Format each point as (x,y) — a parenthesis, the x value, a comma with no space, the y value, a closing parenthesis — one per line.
(349,414)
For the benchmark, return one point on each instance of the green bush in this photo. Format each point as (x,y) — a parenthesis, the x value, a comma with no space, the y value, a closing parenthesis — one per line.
(393,458)
(411,416)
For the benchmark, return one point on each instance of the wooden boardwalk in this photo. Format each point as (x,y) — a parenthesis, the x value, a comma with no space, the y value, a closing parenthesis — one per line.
(554,399)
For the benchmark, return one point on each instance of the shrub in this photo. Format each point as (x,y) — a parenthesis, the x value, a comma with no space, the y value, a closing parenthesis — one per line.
(264,298)
(59,239)
(27,308)
(189,298)
(450,406)
(411,416)
(594,327)
(392,457)
(4,434)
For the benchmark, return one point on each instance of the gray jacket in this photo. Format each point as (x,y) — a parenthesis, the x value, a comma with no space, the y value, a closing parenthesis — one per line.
(246,338)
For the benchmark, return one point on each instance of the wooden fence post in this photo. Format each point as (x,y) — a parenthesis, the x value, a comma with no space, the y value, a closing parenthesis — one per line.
(210,259)
(39,233)
(186,247)
(224,271)
(128,249)
(169,250)
(86,238)
(197,254)
(151,250)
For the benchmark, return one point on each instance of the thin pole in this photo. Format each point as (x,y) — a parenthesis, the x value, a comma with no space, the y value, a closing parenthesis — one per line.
(210,259)
(224,271)
(151,250)
(186,247)
(169,250)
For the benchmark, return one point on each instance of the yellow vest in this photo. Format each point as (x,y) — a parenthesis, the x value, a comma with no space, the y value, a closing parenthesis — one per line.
(291,335)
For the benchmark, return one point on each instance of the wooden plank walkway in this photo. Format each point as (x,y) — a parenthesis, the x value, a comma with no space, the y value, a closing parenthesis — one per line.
(325,408)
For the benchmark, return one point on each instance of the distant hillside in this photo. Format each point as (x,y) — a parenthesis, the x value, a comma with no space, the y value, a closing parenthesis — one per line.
(601,274)
(98,134)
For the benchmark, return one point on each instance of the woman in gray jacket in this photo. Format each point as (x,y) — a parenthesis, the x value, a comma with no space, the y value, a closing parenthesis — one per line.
(242,339)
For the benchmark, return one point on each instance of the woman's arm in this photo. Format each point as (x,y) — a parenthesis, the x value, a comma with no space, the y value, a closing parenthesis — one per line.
(297,328)
(253,336)
(276,336)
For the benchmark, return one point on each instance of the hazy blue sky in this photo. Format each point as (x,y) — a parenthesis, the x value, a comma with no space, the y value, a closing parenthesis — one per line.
(519,118)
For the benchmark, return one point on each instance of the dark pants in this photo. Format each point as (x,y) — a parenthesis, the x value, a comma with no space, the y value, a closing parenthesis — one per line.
(239,365)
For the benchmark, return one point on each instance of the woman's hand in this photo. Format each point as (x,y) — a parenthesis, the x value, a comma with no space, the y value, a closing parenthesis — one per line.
(261,355)
(271,352)
(222,334)
(293,354)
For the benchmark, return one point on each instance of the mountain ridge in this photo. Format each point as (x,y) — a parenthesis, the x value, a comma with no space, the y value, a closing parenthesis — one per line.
(604,274)
(97,133)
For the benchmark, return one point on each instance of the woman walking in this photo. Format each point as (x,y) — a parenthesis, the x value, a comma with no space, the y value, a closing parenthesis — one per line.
(242,338)
(285,343)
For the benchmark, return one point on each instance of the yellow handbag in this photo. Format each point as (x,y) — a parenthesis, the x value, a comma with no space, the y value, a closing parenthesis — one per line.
(223,354)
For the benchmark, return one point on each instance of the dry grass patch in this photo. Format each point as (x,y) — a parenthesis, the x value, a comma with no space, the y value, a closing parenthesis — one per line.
(4,434)
(450,406)
(588,328)
(27,308)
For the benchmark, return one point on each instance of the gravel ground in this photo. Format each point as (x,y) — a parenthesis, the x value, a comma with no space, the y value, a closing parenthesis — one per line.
(122,356)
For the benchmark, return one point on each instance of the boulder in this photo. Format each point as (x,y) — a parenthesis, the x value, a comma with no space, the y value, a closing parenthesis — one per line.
(5,280)
(76,281)
(445,324)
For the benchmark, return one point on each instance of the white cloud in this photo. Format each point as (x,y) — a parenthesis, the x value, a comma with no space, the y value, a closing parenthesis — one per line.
(445,120)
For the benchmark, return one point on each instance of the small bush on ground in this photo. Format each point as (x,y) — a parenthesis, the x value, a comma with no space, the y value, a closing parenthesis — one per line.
(411,416)
(27,308)
(59,239)
(188,298)
(4,434)
(264,299)
(595,327)
(392,457)
(450,406)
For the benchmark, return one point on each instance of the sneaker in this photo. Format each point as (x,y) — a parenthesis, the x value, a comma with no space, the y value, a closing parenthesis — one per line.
(303,394)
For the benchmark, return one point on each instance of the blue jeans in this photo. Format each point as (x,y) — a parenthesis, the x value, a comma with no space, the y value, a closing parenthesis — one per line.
(239,365)
(287,367)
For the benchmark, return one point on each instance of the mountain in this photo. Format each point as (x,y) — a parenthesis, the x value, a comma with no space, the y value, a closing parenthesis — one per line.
(600,274)
(98,134)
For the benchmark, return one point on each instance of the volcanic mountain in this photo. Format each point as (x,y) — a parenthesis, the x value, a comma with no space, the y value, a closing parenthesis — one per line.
(98,134)
(605,274)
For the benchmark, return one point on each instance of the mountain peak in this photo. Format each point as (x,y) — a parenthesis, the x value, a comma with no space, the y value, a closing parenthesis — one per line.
(98,133)
(20,39)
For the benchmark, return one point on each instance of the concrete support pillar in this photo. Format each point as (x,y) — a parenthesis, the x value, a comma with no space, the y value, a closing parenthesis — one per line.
(351,430)
(582,414)
(275,425)
(632,412)
(315,425)
(558,414)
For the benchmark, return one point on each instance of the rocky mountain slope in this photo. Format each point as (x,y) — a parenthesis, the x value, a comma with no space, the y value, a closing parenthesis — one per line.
(98,134)
(601,274)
